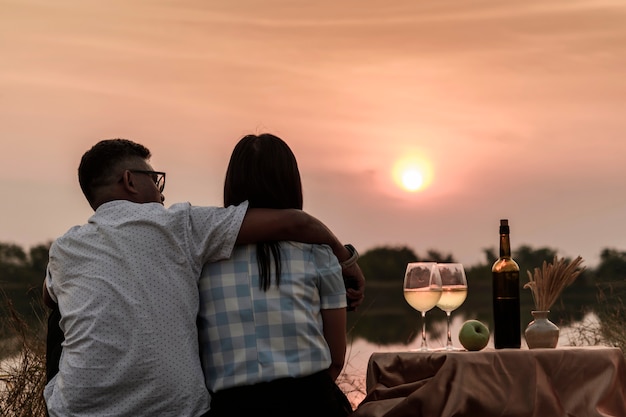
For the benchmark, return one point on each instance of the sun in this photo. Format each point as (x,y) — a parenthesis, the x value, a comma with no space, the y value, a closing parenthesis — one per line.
(412,179)
(412,173)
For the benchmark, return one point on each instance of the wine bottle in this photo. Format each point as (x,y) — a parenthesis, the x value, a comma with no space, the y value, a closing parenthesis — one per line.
(506,307)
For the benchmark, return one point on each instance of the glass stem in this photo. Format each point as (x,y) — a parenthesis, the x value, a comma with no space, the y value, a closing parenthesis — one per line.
(449,343)
(424,346)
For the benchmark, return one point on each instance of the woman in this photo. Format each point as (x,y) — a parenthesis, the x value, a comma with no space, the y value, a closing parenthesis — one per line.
(273,317)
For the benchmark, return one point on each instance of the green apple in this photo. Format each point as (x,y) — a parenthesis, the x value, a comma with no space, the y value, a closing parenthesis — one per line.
(474,335)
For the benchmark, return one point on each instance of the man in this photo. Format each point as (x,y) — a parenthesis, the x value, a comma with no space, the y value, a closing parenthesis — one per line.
(126,287)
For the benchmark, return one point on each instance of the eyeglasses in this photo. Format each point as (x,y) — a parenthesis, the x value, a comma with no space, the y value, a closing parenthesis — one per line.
(157,177)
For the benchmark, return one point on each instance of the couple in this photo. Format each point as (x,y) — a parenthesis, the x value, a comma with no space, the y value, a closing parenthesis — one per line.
(271,315)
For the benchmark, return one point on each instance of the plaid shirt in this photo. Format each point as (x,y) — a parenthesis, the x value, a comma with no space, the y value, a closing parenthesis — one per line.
(248,335)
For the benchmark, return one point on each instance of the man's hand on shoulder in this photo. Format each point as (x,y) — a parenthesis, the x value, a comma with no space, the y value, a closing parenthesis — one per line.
(355,285)
(353,278)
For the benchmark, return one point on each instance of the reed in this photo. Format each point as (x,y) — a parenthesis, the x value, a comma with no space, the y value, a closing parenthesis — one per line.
(23,376)
(548,282)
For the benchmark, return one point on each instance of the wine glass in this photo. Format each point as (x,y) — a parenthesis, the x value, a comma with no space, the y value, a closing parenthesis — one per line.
(422,290)
(454,292)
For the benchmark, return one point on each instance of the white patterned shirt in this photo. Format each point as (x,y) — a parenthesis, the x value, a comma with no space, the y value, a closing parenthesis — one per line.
(127,288)
(248,335)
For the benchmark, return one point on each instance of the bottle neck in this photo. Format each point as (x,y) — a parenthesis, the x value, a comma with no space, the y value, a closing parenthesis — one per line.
(505,246)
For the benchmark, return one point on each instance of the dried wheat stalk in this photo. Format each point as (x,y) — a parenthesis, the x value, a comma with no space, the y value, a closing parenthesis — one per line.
(548,282)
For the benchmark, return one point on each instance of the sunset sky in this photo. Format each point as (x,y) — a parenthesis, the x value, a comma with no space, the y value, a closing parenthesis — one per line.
(514,109)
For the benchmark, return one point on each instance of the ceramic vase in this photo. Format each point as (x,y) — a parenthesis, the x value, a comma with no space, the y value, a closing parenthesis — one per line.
(541,332)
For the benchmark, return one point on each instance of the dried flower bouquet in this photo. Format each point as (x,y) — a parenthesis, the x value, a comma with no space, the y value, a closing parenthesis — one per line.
(548,282)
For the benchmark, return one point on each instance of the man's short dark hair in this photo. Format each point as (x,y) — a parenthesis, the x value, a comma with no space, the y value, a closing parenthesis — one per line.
(97,166)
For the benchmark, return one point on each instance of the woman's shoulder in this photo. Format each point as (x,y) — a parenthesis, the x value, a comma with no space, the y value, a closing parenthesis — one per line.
(316,253)
(306,247)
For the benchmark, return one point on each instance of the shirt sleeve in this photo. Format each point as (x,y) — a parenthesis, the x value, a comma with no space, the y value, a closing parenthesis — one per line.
(52,268)
(49,286)
(214,230)
(332,287)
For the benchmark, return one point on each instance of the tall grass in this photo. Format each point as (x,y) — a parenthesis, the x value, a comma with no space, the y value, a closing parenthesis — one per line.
(612,316)
(352,386)
(609,329)
(22,367)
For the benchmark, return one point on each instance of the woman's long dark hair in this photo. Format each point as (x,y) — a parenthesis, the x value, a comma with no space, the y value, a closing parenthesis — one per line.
(264,171)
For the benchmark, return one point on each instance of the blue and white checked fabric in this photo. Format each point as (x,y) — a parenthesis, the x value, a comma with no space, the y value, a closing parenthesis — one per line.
(248,335)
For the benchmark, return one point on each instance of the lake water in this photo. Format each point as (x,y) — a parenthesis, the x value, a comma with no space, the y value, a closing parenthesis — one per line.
(359,351)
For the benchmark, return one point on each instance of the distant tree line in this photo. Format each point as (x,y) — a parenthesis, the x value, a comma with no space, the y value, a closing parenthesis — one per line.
(384,317)
(21,278)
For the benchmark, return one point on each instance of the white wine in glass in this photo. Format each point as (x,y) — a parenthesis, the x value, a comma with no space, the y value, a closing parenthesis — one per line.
(422,290)
(454,292)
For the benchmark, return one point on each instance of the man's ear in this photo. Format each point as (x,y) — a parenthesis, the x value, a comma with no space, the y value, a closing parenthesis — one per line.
(128,182)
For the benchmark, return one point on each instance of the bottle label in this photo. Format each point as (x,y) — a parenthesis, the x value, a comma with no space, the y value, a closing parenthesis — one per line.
(506,310)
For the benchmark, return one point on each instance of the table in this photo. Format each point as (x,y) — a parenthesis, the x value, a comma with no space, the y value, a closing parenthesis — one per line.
(566,381)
